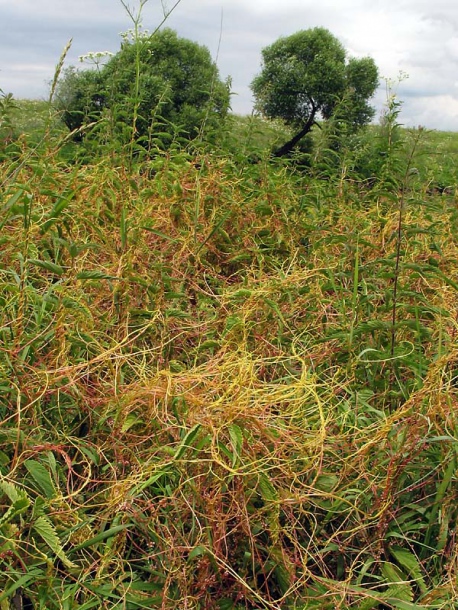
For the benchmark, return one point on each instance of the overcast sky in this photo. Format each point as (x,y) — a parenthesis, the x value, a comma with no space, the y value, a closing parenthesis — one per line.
(416,37)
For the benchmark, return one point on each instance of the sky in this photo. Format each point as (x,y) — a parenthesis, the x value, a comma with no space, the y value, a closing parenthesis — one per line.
(413,42)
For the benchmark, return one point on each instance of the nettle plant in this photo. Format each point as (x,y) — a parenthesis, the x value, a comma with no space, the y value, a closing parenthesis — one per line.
(7,129)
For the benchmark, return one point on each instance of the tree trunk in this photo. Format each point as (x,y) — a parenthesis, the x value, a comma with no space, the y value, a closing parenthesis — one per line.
(288,147)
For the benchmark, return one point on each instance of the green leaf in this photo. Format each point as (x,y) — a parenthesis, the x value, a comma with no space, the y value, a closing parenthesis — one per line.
(369,603)
(21,582)
(398,589)
(187,441)
(124,228)
(405,605)
(38,507)
(411,564)
(41,477)
(51,267)
(241,258)
(10,204)
(283,578)
(236,436)
(4,458)
(214,230)
(56,211)
(226,604)
(102,536)
(45,529)
(327,482)
(176,313)
(242,293)
(267,490)
(274,306)
(233,322)
(19,502)
(95,275)
(197,551)
(10,490)
(131,420)
(150,481)
(159,234)
(209,344)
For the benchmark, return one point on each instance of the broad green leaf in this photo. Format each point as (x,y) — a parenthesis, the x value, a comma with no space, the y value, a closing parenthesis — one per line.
(124,228)
(176,313)
(93,603)
(150,481)
(10,490)
(241,258)
(274,306)
(411,564)
(267,490)
(38,507)
(197,551)
(400,592)
(369,603)
(17,508)
(12,200)
(51,267)
(233,322)
(187,441)
(95,275)
(19,502)
(10,204)
(405,605)
(236,435)
(398,588)
(45,529)
(209,344)
(392,573)
(327,482)
(170,295)
(131,420)
(56,211)
(4,458)
(226,604)
(41,477)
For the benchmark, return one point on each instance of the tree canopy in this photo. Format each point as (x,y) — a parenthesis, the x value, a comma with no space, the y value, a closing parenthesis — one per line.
(307,76)
(161,83)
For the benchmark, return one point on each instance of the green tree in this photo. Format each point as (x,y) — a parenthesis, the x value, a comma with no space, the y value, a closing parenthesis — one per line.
(80,97)
(307,76)
(160,86)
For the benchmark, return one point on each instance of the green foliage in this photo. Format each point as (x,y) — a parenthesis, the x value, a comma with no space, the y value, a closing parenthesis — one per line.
(306,76)
(162,87)
(228,384)
(81,98)
(8,131)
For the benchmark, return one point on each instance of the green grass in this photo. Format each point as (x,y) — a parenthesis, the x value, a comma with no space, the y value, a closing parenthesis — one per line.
(204,400)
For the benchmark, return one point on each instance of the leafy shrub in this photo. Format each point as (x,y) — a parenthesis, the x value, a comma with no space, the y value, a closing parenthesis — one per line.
(156,88)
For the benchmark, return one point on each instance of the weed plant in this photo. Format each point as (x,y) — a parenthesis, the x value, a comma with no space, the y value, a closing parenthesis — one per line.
(227,385)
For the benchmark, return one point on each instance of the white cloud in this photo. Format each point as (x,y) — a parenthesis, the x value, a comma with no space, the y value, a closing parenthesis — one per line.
(439,113)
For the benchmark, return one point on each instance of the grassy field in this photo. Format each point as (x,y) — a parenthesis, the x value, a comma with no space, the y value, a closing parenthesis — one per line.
(228,382)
